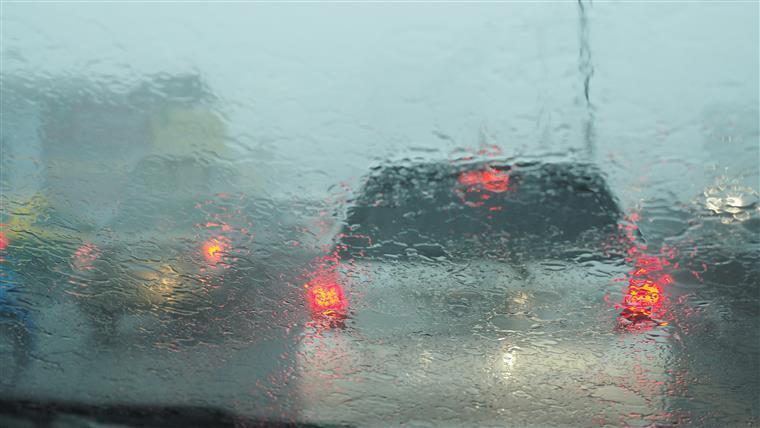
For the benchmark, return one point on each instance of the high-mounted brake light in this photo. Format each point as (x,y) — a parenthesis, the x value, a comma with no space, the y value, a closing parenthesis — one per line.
(489,179)
(475,187)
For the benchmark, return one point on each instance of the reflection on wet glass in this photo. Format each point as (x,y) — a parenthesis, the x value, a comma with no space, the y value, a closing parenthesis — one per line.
(731,201)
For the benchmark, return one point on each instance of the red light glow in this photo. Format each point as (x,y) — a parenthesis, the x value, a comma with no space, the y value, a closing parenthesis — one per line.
(324,293)
(84,256)
(475,187)
(644,300)
(4,241)
(489,179)
(326,297)
(214,249)
(224,235)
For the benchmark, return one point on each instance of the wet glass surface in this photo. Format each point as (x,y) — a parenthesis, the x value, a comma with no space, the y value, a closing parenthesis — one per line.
(380,214)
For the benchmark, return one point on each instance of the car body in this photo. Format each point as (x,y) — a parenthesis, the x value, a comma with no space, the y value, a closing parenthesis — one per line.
(481,293)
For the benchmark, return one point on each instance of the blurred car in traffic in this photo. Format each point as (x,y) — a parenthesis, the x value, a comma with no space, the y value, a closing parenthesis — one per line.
(483,292)
(123,213)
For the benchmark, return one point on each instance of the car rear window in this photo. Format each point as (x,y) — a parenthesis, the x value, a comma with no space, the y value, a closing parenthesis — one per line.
(432,208)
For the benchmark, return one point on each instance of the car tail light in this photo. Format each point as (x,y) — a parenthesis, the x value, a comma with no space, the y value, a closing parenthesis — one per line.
(644,298)
(325,296)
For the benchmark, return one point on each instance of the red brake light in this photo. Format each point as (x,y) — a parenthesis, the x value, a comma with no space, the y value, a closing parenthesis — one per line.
(325,295)
(645,298)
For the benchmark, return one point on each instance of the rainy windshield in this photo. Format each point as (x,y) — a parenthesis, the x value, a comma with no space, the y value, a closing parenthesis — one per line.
(344,214)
